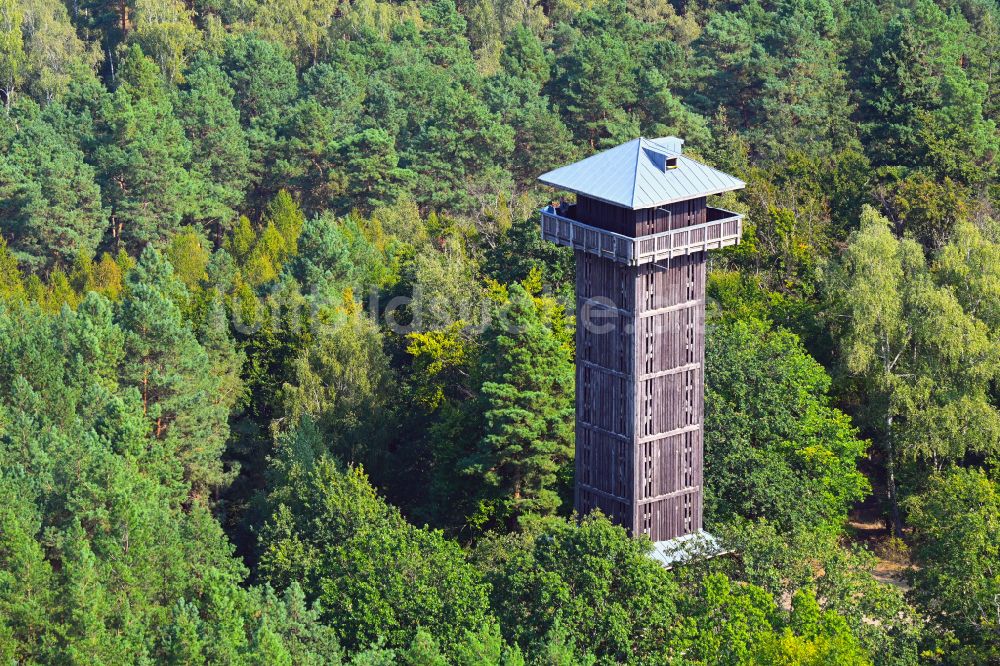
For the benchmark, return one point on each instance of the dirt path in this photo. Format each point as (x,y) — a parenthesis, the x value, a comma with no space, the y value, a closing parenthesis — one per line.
(869,526)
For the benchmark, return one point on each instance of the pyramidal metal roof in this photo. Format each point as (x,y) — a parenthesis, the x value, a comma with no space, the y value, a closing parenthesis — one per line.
(642,174)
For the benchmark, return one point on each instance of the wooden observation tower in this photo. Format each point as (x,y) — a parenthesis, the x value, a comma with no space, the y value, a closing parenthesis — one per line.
(641,230)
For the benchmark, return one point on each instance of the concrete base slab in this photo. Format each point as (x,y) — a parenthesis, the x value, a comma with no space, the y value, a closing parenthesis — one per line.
(683,549)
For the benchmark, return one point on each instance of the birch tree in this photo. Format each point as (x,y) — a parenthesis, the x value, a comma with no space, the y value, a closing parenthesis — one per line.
(12,57)
(923,362)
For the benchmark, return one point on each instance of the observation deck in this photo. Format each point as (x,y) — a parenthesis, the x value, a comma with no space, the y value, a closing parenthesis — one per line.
(722,229)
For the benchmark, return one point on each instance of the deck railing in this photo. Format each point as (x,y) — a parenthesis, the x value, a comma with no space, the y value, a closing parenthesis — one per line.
(579,236)
(723,231)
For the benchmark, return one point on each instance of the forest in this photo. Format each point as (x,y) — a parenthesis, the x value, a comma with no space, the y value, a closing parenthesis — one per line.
(262,401)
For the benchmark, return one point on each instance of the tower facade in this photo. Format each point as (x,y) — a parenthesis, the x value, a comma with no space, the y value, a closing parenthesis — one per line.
(641,229)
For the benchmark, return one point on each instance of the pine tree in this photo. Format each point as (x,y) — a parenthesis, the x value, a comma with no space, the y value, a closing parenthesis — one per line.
(527,401)
(921,106)
(595,84)
(371,165)
(265,83)
(172,372)
(220,153)
(225,359)
(50,198)
(143,157)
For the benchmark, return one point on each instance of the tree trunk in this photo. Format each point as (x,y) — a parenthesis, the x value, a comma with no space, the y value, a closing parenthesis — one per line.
(123,9)
(890,481)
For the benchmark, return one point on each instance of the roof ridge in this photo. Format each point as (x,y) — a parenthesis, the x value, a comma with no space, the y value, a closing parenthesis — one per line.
(635,171)
(650,145)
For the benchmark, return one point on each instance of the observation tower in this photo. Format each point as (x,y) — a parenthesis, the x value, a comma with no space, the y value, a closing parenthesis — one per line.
(641,230)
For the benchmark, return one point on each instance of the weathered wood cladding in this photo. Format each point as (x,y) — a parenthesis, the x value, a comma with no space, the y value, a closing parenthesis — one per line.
(640,393)
(635,223)
(670,398)
(605,393)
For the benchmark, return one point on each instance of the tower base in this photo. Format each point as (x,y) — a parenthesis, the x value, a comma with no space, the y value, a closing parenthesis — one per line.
(687,548)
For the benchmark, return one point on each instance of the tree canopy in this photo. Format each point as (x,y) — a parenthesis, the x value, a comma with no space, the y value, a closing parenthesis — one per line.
(286,370)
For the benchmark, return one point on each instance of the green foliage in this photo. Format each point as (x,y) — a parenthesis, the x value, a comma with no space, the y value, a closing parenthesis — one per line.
(521,250)
(189,257)
(52,205)
(286,172)
(737,625)
(142,157)
(956,524)
(927,209)
(374,177)
(440,359)
(845,581)
(12,56)
(527,413)
(11,281)
(173,374)
(287,219)
(96,540)
(920,106)
(342,381)
(925,363)
(777,70)
(774,447)
(546,587)
(55,53)
(165,30)
(105,276)
(241,240)
(374,574)
(220,153)
(444,287)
